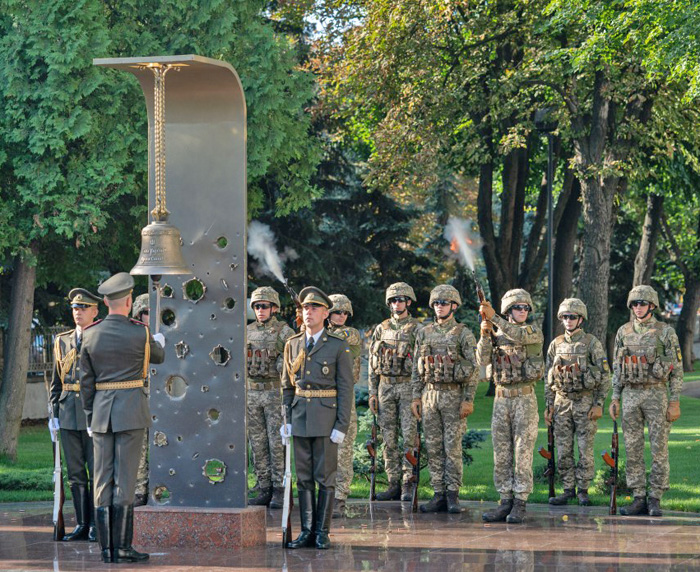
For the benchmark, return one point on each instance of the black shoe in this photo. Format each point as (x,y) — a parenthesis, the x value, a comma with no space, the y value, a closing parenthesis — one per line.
(81,503)
(563,498)
(277,500)
(517,513)
(324,512)
(654,507)
(339,508)
(407,491)
(92,533)
(500,513)
(123,534)
(263,499)
(392,493)
(436,504)
(103,517)
(307,509)
(453,505)
(638,506)
(140,500)
(583,499)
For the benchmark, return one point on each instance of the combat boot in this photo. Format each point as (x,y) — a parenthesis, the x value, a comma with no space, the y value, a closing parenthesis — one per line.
(453,505)
(392,493)
(339,508)
(583,499)
(81,503)
(263,499)
(517,514)
(123,534)
(323,515)
(638,506)
(563,498)
(407,491)
(655,507)
(307,509)
(277,497)
(500,513)
(436,504)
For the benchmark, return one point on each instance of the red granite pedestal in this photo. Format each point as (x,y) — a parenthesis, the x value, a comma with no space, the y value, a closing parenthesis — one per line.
(199,528)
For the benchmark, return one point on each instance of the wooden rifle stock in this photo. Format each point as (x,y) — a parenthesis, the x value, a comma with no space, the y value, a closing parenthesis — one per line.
(548,454)
(413,457)
(612,461)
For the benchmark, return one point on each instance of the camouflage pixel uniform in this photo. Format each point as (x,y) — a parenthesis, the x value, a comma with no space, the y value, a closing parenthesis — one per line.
(444,377)
(517,364)
(264,406)
(140,305)
(647,387)
(577,380)
(390,368)
(345,472)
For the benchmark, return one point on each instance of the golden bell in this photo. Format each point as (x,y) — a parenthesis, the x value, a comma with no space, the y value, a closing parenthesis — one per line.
(161,251)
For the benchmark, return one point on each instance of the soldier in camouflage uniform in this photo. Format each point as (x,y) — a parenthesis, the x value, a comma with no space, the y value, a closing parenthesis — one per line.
(141,311)
(514,353)
(444,383)
(577,383)
(341,309)
(648,375)
(266,338)
(390,394)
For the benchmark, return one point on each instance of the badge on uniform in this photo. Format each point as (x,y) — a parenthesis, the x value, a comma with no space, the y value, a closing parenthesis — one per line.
(606,367)
(678,354)
(530,330)
(325,370)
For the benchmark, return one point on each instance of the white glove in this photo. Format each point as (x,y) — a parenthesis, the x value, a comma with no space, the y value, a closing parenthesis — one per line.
(286,433)
(337,437)
(160,338)
(89,432)
(54,426)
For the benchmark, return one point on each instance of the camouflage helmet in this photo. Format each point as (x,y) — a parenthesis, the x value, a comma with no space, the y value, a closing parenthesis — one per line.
(445,292)
(516,296)
(399,289)
(140,305)
(341,303)
(265,294)
(572,306)
(646,293)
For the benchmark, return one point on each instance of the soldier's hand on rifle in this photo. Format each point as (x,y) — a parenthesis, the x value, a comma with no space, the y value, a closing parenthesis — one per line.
(595,412)
(415,408)
(286,433)
(466,409)
(89,430)
(548,415)
(486,310)
(54,426)
(614,408)
(159,339)
(673,412)
(486,328)
(373,402)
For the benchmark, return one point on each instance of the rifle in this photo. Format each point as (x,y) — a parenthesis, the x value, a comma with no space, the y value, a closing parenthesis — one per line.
(371,445)
(413,457)
(295,299)
(288,496)
(479,292)
(612,461)
(59,495)
(549,455)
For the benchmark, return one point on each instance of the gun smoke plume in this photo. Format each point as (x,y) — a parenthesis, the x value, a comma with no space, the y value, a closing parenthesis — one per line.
(261,246)
(464,242)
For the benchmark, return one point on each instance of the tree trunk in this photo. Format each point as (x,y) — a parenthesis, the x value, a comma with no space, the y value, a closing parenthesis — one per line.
(14,380)
(686,321)
(644,261)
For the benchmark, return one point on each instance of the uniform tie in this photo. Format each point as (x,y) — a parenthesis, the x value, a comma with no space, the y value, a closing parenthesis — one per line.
(310,345)
(78,342)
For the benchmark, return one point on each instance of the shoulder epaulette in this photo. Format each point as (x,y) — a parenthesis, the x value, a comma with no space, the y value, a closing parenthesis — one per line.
(297,335)
(68,333)
(337,335)
(135,321)
(93,324)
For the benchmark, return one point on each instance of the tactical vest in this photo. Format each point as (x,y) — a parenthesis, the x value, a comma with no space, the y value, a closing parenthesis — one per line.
(344,332)
(571,370)
(440,360)
(516,363)
(642,359)
(391,355)
(262,350)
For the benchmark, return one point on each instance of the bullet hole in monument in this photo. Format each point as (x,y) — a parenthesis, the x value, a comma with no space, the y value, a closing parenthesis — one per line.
(222,242)
(215,471)
(193,290)
(154,371)
(213,415)
(229,304)
(236,376)
(166,291)
(160,439)
(195,456)
(167,317)
(232,447)
(176,387)
(205,388)
(181,349)
(233,267)
(161,494)
(171,472)
(212,317)
(224,284)
(179,438)
(154,417)
(220,355)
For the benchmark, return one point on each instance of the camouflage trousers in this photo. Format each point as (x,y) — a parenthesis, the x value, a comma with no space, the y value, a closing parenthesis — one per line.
(142,475)
(264,421)
(514,432)
(571,419)
(638,406)
(394,412)
(343,478)
(443,430)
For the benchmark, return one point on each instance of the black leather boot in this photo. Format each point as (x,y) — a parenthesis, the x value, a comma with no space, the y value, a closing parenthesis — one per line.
(307,508)
(92,534)
(563,498)
(104,531)
(436,504)
(123,534)
(638,506)
(392,493)
(324,513)
(500,513)
(81,503)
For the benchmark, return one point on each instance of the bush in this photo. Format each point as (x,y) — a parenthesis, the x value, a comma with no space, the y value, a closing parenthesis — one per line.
(26,480)
(471,440)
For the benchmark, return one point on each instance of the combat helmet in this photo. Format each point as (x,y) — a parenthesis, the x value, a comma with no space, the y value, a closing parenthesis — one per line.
(140,305)
(399,289)
(445,292)
(516,296)
(265,294)
(572,306)
(643,292)
(341,303)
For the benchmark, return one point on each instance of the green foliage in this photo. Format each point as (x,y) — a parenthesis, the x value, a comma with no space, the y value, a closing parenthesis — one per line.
(361,461)
(471,440)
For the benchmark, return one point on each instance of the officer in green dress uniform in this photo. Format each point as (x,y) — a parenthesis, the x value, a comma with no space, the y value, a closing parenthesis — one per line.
(68,414)
(114,362)
(317,385)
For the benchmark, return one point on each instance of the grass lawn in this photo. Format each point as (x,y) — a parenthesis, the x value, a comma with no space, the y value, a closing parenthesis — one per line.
(29,478)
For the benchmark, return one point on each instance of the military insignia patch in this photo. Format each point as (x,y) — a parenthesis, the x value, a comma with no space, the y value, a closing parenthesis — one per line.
(325,370)
(678,354)
(530,330)
(606,367)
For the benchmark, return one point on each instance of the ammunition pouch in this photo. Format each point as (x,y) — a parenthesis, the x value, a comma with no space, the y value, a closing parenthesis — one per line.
(512,364)
(642,366)
(262,363)
(442,364)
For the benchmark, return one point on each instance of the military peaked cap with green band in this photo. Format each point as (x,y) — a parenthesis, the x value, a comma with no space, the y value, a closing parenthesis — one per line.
(118,286)
(313,295)
(80,296)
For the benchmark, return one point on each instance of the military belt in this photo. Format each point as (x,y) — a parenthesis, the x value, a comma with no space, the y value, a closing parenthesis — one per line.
(443,386)
(104,385)
(316,392)
(397,379)
(71,387)
(646,385)
(263,385)
(514,392)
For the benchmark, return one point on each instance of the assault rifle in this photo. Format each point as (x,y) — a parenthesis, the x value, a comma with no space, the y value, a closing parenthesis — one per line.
(413,457)
(288,496)
(549,455)
(295,299)
(611,460)
(59,495)
(371,445)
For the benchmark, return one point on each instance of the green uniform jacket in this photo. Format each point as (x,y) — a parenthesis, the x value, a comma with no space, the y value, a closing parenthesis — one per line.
(67,405)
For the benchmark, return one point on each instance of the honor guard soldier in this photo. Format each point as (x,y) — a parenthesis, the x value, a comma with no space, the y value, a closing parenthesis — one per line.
(340,311)
(114,362)
(577,383)
(390,393)
(68,414)
(648,377)
(515,356)
(318,393)
(266,338)
(141,311)
(444,383)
